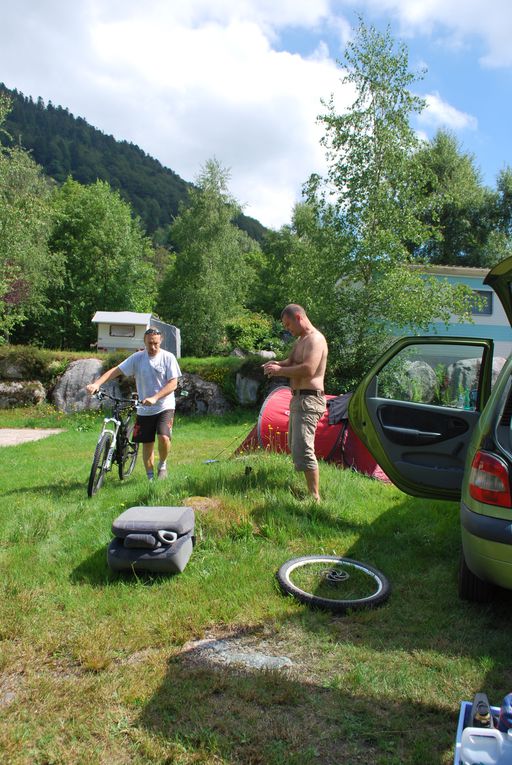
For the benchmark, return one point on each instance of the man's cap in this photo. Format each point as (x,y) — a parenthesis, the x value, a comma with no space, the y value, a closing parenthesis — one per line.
(152,331)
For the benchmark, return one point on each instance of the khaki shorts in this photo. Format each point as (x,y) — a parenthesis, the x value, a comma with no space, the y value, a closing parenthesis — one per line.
(305,411)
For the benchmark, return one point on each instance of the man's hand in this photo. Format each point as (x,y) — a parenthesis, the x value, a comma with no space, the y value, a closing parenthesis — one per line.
(149,401)
(92,388)
(270,368)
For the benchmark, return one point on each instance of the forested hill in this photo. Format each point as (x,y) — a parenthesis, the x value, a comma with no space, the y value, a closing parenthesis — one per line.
(65,145)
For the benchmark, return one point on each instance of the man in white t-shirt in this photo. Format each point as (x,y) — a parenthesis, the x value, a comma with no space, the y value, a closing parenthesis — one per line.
(156,375)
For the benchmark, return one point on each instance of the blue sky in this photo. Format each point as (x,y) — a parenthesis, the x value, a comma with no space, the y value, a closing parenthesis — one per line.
(242,80)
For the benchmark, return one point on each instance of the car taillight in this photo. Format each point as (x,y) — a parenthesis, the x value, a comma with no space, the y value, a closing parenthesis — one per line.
(489,480)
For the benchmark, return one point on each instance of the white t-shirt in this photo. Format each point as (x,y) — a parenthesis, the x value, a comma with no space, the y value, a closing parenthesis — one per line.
(151,374)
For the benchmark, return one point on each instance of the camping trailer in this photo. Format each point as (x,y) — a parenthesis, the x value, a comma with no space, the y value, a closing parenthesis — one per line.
(124,330)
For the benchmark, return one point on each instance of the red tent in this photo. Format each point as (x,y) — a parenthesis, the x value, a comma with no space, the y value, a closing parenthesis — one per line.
(333,443)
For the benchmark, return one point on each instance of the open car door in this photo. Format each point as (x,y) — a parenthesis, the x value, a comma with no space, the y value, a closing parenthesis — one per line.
(416,409)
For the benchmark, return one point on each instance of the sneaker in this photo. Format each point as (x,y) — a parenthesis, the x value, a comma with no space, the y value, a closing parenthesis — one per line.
(162,473)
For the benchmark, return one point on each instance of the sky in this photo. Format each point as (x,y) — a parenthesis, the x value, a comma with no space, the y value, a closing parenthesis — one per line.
(243,80)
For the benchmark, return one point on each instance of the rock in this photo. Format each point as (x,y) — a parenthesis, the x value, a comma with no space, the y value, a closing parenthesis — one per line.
(230,652)
(197,396)
(12,370)
(267,355)
(247,389)
(238,352)
(423,381)
(26,393)
(497,365)
(463,376)
(69,394)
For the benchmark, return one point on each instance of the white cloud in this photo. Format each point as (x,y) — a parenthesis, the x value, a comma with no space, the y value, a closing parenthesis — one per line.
(186,82)
(438,113)
(459,22)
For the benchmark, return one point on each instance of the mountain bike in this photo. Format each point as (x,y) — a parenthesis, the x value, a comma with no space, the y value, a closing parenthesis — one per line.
(115,444)
(333,583)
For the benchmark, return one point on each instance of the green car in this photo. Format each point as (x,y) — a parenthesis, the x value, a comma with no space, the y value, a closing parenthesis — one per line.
(437,417)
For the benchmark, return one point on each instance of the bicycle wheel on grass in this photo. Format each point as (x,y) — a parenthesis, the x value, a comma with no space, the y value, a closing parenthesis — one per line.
(127,449)
(128,454)
(333,583)
(98,468)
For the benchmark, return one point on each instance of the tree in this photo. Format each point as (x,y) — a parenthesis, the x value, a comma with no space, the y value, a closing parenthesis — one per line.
(106,259)
(370,199)
(26,266)
(461,212)
(212,275)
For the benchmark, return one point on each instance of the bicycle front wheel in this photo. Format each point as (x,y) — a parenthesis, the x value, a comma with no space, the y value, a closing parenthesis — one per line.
(333,583)
(98,468)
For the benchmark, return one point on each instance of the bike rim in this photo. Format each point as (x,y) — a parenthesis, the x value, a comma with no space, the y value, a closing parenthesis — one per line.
(334,580)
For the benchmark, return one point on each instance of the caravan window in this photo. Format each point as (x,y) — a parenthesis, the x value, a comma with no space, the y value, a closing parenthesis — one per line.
(122,330)
(482,307)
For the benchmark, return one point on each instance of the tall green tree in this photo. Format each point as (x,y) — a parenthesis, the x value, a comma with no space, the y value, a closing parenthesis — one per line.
(372,193)
(26,265)
(212,275)
(106,259)
(460,211)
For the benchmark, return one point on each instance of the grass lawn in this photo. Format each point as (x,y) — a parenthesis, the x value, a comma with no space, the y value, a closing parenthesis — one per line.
(93,666)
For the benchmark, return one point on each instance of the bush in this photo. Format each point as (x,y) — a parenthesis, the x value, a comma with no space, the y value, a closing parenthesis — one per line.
(253,332)
(36,363)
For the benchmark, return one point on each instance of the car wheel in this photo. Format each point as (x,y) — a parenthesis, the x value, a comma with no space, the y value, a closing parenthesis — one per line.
(471,587)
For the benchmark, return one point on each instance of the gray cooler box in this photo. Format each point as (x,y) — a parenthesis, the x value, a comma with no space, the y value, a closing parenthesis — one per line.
(158,539)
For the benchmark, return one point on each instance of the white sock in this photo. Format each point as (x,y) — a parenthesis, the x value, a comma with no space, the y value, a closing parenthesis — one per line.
(162,464)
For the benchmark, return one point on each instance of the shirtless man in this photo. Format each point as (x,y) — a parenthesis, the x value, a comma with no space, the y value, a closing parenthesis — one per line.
(305,366)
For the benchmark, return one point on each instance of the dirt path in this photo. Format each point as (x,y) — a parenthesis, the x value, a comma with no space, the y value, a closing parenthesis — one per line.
(15,436)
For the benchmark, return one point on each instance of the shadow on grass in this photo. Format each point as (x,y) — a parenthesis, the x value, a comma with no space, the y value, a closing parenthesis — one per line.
(56,490)
(95,571)
(242,716)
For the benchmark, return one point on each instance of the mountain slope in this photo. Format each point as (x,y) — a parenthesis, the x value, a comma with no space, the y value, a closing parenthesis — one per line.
(65,145)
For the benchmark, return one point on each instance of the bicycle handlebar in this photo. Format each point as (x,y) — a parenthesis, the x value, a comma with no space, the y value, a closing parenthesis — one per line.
(101,394)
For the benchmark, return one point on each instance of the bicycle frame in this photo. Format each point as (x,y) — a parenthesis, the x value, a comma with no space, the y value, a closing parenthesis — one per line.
(116,424)
(113,425)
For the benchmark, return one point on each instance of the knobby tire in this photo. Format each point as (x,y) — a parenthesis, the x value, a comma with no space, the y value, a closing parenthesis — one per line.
(98,470)
(333,583)
(127,452)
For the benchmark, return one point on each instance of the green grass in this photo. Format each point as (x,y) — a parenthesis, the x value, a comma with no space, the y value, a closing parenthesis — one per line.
(92,666)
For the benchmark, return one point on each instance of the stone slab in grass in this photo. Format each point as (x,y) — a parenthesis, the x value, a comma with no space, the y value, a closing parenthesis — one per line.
(15,436)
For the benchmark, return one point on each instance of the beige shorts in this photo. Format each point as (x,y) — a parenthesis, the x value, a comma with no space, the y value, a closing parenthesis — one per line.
(305,411)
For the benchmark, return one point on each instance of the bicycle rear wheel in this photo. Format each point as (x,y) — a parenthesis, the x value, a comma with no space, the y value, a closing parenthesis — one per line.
(128,450)
(98,468)
(333,583)
(127,459)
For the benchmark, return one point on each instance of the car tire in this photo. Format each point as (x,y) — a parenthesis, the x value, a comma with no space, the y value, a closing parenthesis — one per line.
(471,587)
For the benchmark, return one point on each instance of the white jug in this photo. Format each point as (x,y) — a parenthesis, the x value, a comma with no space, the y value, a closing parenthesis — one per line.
(485,746)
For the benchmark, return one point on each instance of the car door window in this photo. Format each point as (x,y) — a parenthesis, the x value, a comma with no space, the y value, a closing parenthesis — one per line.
(445,376)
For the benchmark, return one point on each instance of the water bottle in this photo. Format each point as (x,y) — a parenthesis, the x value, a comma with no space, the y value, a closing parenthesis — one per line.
(481,712)
(505,718)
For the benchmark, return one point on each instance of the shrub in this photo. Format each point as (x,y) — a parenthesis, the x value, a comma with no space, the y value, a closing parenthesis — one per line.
(252,332)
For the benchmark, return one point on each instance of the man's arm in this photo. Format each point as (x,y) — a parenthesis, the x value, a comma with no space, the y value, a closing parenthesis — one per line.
(169,387)
(110,375)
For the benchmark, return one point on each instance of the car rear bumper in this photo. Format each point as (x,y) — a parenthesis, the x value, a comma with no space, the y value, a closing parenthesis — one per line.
(487,544)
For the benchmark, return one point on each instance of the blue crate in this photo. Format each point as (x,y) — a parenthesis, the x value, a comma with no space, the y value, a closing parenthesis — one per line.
(464,721)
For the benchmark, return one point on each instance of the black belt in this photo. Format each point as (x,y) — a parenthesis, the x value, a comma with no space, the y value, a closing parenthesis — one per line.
(307,392)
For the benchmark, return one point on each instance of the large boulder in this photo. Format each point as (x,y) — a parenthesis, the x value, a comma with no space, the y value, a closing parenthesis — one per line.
(247,389)
(197,396)
(463,377)
(20,393)
(69,394)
